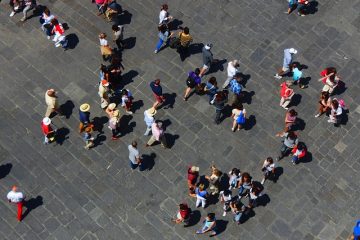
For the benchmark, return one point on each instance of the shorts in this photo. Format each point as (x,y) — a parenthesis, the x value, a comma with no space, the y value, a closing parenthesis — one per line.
(158,98)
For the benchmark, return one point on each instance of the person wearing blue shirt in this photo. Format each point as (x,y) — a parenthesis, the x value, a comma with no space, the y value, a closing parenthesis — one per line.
(84,116)
(235,89)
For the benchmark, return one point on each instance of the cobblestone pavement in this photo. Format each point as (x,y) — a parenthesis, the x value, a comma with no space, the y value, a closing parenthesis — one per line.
(94,194)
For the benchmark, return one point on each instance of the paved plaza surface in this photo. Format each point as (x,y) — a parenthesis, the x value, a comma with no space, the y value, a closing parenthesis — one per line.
(80,194)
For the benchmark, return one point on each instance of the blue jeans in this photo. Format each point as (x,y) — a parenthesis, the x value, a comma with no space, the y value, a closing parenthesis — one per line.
(160,43)
(133,166)
(295,159)
(238,216)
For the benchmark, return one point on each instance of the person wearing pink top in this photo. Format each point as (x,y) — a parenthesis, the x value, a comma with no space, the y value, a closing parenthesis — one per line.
(157,135)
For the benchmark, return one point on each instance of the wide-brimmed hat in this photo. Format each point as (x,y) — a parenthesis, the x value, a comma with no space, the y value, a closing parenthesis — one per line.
(46,121)
(85,107)
(151,111)
(112,106)
(116,113)
(293,50)
(195,169)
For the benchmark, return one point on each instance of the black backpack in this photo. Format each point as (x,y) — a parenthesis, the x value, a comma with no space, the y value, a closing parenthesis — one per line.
(190,81)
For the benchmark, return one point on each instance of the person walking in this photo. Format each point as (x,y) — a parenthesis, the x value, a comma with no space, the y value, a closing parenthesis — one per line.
(201,195)
(268,168)
(193,81)
(235,89)
(89,141)
(207,59)
(52,103)
(149,119)
(106,51)
(118,32)
(156,88)
(183,214)
(290,121)
(114,122)
(286,94)
(164,16)
(232,69)
(16,197)
(48,130)
(209,225)
(324,104)
(225,198)
(192,176)
(185,40)
(134,156)
(164,36)
(335,113)
(84,116)
(219,102)
(290,141)
(239,117)
(126,100)
(58,31)
(104,93)
(25,5)
(211,89)
(288,58)
(214,180)
(45,21)
(157,135)
(111,108)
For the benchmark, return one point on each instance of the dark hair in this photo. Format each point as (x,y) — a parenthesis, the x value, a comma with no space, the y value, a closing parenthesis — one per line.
(197,71)
(54,21)
(186,30)
(300,146)
(270,160)
(239,106)
(103,68)
(124,91)
(291,135)
(293,112)
(46,11)
(211,216)
(237,76)
(331,70)
(157,81)
(212,80)
(227,192)
(325,95)
(245,175)
(134,144)
(183,206)
(335,103)
(235,171)
(164,7)
(115,27)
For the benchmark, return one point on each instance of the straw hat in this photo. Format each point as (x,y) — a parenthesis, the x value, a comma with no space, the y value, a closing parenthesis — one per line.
(116,113)
(151,111)
(112,106)
(85,107)
(46,121)
(195,169)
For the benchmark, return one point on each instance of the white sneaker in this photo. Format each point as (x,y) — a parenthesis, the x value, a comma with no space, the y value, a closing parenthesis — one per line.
(129,112)
(48,37)
(156,51)
(317,115)
(12,14)
(57,45)
(224,214)
(263,181)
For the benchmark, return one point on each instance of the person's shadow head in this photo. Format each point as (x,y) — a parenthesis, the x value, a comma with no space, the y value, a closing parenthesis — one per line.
(340,89)
(165,123)
(137,105)
(67,108)
(5,170)
(38,10)
(263,200)
(73,40)
(169,100)
(170,139)
(244,79)
(195,48)
(250,122)
(249,213)
(128,77)
(99,122)
(61,135)
(307,158)
(299,126)
(175,24)
(246,97)
(148,160)
(224,182)
(221,226)
(123,18)
(195,217)
(99,139)
(31,204)
(129,43)
(217,65)
(312,7)
(126,125)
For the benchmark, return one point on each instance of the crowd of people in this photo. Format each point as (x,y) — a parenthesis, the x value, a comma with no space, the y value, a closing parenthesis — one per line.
(115,98)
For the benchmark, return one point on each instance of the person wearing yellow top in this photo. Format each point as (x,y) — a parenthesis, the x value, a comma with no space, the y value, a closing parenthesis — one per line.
(185,40)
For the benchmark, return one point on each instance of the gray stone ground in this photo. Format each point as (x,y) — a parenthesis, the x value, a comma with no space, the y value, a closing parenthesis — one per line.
(94,195)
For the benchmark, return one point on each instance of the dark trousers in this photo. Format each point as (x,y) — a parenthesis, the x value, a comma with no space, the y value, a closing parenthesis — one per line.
(119,44)
(284,151)
(218,115)
(183,51)
(115,132)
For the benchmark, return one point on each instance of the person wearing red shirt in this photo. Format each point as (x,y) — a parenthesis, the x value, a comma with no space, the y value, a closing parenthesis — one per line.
(301,5)
(183,215)
(193,173)
(286,93)
(47,130)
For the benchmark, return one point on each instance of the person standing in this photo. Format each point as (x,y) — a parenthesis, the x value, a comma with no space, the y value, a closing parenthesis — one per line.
(207,59)
(18,198)
(114,125)
(134,156)
(193,81)
(232,69)
(185,40)
(219,103)
(214,180)
(183,214)
(324,104)
(290,142)
(164,16)
(225,198)
(89,141)
(209,225)
(58,30)
(201,195)
(104,93)
(52,103)
(286,94)
(235,89)
(157,135)
(126,100)
(290,121)
(301,6)
(288,58)
(335,113)
(239,116)
(48,131)
(106,51)
(149,119)
(193,174)
(158,94)
(84,116)
(45,21)
(118,31)
(268,168)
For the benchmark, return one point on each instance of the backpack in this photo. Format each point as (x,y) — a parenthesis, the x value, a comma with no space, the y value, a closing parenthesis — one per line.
(240,119)
(190,81)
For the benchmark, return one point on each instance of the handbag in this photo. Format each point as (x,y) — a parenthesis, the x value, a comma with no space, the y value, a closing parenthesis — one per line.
(105,50)
(174,42)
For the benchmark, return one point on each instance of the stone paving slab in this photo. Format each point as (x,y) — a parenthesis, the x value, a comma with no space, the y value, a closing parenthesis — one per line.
(94,195)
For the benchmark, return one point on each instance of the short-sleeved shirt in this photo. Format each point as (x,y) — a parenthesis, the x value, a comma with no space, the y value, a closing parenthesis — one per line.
(118,35)
(287,58)
(227,198)
(200,193)
(337,111)
(236,112)
(235,86)
(192,177)
(290,142)
(46,128)
(133,154)
(296,74)
(103,42)
(15,197)
(185,39)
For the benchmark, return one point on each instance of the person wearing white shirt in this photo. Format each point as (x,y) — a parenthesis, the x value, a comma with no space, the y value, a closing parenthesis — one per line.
(268,168)
(232,69)
(149,119)
(164,16)
(16,197)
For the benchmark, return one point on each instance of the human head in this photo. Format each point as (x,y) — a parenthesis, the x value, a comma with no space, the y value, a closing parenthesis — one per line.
(124,92)
(157,81)
(236,171)
(111,106)
(104,82)
(54,21)
(331,70)
(201,186)
(212,80)
(237,76)
(246,177)
(51,92)
(325,95)
(217,172)
(85,107)
(102,35)
(236,63)
(194,169)
(270,160)
(211,216)
(134,144)
(183,206)
(291,135)
(88,130)
(227,192)
(103,68)
(14,188)
(164,7)
(186,30)
(197,71)
(292,51)
(335,103)
(292,112)
(115,27)
(300,146)
(47,11)
(46,121)
(239,106)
